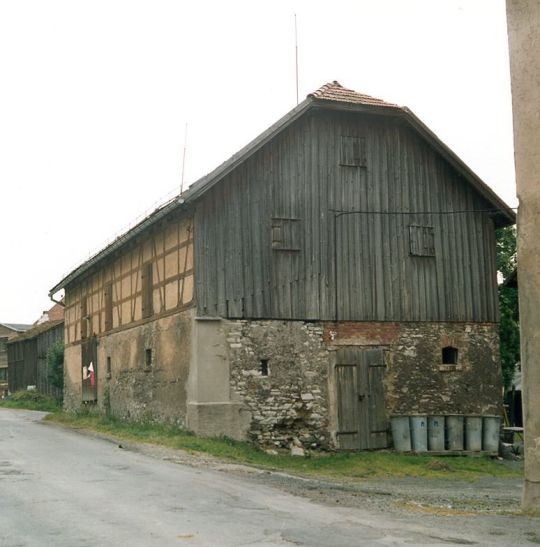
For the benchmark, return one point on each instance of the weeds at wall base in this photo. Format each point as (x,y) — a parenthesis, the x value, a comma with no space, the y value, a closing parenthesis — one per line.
(340,465)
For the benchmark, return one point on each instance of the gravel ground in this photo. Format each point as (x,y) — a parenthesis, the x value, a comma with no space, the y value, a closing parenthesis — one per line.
(489,505)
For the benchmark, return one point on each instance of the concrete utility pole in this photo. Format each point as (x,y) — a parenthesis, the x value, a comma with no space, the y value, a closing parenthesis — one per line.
(524,40)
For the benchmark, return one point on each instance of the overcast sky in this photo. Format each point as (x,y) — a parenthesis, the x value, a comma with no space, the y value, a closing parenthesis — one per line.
(95,95)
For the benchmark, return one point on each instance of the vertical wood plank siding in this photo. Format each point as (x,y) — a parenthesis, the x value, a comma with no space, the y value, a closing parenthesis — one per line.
(28,361)
(363,260)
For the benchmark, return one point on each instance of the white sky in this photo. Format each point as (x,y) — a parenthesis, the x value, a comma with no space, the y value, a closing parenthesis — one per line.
(95,95)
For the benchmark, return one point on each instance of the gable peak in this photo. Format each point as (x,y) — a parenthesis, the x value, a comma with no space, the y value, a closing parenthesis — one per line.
(334,91)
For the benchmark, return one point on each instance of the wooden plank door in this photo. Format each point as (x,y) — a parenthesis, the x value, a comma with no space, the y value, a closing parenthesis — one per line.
(360,398)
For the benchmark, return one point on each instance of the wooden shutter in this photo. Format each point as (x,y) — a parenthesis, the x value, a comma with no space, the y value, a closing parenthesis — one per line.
(422,241)
(353,151)
(147,290)
(84,317)
(108,306)
(286,234)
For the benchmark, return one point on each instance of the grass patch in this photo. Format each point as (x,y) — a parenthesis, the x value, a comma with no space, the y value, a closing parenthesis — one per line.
(343,465)
(32,400)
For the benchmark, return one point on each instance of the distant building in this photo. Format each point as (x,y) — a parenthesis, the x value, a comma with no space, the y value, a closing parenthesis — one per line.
(27,358)
(56,313)
(7,331)
(337,270)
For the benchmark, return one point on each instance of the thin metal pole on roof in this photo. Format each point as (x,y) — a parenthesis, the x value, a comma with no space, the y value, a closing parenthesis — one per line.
(296,54)
(183,160)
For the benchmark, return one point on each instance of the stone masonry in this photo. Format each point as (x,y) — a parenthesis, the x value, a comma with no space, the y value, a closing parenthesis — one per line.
(291,404)
(416,380)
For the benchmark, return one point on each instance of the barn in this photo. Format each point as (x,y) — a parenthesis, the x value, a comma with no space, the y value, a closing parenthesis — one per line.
(338,270)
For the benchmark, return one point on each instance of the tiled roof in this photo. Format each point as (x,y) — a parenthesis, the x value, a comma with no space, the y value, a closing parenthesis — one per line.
(334,91)
(56,313)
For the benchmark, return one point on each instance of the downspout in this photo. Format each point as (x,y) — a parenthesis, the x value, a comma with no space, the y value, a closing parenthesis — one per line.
(60,302)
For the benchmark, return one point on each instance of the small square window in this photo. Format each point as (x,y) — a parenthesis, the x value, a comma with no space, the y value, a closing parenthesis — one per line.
(421,240)
(286,234)
(449,355)
(353,151)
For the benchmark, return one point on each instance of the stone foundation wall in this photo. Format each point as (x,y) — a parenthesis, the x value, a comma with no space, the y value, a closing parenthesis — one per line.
(416,381)
(291,403)
(134,390)
(273,383)
(296,400)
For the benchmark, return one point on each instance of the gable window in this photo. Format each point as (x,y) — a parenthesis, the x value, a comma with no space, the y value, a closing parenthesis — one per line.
(285,234)
(147,291)
(421,240)
(353,151)
(108,293)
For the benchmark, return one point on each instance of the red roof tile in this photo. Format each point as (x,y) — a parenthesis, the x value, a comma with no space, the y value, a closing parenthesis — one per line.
(334,91)
(56,313)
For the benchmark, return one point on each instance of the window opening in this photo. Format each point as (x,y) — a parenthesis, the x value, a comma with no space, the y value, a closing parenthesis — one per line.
(421,240)
(108,367)
(148,358)
(84,317)
(285,234)
(265,371)
(353,151)
(108,306)
(147,291)
(449,355)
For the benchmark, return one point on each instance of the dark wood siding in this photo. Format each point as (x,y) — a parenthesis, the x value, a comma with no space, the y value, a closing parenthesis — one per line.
(44,342)
(347,266)
(27,361)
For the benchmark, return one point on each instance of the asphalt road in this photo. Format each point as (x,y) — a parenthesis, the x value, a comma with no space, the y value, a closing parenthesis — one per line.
(62,488)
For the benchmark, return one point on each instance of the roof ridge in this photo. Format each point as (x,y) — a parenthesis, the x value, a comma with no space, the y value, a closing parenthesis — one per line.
(334,91)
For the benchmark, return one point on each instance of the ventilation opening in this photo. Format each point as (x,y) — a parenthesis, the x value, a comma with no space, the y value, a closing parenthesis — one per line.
(148,361)
(449,355)
(264,367)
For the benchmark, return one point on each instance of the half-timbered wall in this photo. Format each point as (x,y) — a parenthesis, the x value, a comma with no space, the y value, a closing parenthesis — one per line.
(148,279)
(415,245)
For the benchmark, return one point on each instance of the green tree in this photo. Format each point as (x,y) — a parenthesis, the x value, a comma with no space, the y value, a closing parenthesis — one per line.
(508,303)
(55,362)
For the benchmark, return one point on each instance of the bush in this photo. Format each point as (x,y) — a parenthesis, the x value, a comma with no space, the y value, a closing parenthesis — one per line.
(31,400)
(55,363)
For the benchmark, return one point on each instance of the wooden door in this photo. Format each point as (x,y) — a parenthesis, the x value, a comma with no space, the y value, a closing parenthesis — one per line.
(361,411)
